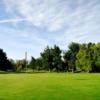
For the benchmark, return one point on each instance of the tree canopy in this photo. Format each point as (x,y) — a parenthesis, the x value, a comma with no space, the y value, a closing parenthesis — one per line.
(77,58)
(5,64)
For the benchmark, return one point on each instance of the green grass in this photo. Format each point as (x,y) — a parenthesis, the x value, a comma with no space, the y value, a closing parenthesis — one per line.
(50,86)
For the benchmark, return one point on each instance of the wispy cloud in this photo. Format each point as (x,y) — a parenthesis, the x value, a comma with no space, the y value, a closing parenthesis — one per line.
(56,14)
(41,13)
(57,21)
(17,42)
(12,20)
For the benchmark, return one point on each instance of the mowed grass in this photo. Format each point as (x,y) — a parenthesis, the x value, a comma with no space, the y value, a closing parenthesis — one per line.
(50,86)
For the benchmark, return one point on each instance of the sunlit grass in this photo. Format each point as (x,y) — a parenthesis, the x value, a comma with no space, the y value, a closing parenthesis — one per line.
(50,86)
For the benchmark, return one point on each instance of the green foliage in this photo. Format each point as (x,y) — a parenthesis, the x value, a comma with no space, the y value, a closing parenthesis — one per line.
(32,63)
(83,61)
(70,56)
(13,64)
(39,64)
(96,67)
(57,63)
(87,57)
(52,58)
(47,58)
(78,57)
(5,64)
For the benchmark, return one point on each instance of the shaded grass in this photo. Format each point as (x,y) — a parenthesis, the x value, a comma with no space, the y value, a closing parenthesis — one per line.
(50,86)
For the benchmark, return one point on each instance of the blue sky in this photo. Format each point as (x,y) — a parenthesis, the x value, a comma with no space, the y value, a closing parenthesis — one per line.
(31,25)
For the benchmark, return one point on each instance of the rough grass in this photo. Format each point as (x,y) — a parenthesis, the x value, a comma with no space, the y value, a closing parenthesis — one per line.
(50,86)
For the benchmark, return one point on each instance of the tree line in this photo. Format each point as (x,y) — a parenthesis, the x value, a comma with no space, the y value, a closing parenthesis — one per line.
(77,58)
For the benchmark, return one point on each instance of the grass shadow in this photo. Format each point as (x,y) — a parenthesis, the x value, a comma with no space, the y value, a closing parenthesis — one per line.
(23,72)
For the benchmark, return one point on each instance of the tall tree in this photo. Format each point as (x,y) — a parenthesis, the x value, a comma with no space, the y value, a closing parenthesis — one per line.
(84,60)
(57,61)
(70,56)
(5,64)
(32,63)
(96,67)
(52,58)
(39,64)
(47,58)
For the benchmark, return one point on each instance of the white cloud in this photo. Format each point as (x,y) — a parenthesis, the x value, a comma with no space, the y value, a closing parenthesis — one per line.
(55,15)
(77,21)
(12,20)
(82,24)
(41,13)
(21,41)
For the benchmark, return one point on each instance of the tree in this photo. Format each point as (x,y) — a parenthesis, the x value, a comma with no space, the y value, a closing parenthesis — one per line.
(5,64)
(67,60)
(39,64)
(13,64)
(47,58)
(57,62)
(32,63)
(96,67)
(84,60)
(52,58)
(70,56)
